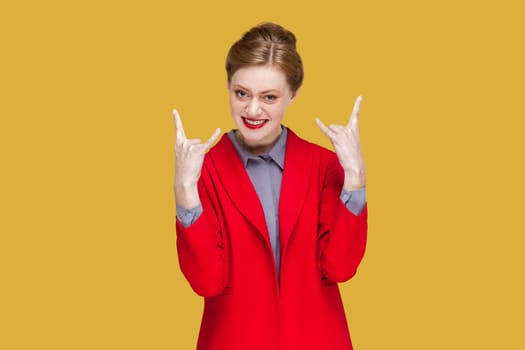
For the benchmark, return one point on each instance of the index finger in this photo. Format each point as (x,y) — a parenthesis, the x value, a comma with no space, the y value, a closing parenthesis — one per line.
(355,112)
(181,136)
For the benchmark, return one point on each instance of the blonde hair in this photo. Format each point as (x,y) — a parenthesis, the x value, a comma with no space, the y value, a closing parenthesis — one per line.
(267,44)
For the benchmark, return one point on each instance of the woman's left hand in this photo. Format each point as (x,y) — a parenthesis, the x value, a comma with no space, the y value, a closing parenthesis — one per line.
(347,146)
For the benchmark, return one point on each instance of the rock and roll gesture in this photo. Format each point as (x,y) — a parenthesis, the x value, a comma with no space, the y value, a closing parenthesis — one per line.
(189,156)
(347,146)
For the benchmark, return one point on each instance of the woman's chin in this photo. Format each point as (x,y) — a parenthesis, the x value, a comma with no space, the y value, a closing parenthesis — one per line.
(257,142)
(251,139)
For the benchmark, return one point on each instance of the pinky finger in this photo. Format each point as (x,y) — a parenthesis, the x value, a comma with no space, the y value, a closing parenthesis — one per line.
(324,128)
(212,139)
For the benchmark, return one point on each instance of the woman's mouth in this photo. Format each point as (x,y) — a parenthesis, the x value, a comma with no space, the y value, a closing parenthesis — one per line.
(254,123)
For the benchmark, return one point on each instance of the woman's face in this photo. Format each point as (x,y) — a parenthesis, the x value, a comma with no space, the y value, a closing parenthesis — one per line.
(259,96)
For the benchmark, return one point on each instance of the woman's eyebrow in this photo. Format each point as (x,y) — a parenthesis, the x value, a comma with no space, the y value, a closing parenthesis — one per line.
(264,92)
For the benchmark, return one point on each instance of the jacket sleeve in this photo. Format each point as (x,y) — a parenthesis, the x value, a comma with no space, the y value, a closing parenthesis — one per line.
(341,233)
(202,250)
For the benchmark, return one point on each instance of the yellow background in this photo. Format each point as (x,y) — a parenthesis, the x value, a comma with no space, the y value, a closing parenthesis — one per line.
(87,249)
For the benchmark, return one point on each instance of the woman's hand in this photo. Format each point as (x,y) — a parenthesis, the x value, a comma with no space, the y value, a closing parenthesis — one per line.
(347,146)
(189,156)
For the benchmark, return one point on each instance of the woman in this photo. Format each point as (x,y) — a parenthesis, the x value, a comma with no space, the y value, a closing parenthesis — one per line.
(268,224)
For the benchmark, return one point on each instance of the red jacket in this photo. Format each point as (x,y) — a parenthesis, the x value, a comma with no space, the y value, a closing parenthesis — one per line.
(226,254)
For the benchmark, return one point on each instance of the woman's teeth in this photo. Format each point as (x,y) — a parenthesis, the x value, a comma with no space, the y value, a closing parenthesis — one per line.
(254,122)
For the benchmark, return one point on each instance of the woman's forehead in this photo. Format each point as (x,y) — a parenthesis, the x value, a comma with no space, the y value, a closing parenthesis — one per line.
(260,78)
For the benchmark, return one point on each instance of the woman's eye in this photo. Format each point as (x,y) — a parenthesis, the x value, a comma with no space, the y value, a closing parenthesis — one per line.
(270,98)
(241,93)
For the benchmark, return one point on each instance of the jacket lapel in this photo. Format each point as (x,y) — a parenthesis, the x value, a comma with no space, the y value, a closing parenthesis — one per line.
(294,187)
(235,179)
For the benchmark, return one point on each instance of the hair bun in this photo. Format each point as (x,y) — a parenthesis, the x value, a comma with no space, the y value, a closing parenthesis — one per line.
(271,32)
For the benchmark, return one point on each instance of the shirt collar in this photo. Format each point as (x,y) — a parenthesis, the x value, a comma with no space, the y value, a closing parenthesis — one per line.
(276,153)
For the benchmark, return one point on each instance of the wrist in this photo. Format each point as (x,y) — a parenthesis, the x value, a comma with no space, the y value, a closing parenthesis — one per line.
(187,195)
(354,181)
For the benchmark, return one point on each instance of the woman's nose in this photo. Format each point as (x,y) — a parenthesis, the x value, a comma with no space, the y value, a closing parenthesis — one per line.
(253,109)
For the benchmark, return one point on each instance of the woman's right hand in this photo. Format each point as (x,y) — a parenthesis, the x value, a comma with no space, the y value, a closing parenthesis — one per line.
(189,156)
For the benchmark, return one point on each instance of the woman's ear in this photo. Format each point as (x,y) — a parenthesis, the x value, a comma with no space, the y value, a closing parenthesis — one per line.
(294,95)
